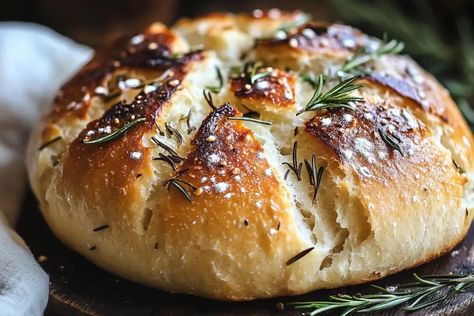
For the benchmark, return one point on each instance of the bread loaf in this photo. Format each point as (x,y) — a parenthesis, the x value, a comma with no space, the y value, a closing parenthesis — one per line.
(253,155)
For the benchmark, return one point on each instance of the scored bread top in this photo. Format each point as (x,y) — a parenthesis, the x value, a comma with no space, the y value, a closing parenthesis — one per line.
(188,148)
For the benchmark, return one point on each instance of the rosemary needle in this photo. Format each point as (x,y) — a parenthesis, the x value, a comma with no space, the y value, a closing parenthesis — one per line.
(249,119)
(337,97)
(50,142)
(391,141)
(116,133)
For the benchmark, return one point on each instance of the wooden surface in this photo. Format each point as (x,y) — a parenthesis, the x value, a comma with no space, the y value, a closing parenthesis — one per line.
(79,288)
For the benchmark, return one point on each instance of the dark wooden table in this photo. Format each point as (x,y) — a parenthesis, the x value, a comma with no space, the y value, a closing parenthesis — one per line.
(79,288)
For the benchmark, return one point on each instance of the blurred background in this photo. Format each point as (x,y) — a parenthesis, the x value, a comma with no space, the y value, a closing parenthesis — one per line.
(438,34)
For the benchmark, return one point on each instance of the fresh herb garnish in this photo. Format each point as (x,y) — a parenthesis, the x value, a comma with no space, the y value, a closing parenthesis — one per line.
(299,256)
(421,293)
(386,48)
(392,141)
(178,184)
(49,142)
(249,119)
(217,89)
(315,174)
(115,134)
(296,167)
(337,97)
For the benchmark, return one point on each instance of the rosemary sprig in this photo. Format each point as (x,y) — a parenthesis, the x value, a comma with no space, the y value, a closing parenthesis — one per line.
(296,166)
(315,174)
(337,97)
(178,184)
(249,119)
(49,142)
(392,141)
(115,134)
(217,89)
(421,293)
(386,48)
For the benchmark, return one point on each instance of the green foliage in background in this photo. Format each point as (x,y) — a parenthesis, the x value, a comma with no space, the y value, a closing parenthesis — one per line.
(449,55)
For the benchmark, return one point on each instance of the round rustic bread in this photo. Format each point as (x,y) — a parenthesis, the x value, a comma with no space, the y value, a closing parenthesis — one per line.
(212,158)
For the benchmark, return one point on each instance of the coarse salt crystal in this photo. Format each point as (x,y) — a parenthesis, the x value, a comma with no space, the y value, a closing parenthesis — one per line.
(268,172)
(135,155)
(149,88)
(326,121)
(213,158)
(137,39)
(347,117)
(221,187)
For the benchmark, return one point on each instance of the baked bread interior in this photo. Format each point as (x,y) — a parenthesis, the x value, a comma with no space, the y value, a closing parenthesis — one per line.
(244,156)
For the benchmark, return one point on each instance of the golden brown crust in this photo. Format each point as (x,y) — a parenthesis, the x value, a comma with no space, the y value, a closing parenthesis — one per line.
(274,90)
(200,199)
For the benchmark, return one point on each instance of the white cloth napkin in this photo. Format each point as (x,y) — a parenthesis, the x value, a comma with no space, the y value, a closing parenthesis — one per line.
(34,62)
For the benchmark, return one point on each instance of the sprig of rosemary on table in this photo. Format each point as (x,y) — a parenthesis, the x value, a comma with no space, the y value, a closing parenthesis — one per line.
(337,97)
(386,48)
(421,293)
(115,134)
